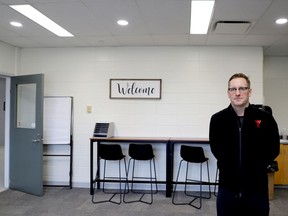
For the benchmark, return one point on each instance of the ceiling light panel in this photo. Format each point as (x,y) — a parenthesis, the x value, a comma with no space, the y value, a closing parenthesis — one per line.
(16,24)
(122,22)
(41,19)
(281,21)
(201,13)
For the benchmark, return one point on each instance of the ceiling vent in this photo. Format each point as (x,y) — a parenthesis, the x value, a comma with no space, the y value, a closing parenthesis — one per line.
(232,27)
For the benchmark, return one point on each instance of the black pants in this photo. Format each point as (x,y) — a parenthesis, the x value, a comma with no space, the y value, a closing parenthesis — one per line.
(232,204)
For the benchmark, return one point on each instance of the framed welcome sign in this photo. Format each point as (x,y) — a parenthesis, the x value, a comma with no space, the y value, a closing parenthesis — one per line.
(135,88)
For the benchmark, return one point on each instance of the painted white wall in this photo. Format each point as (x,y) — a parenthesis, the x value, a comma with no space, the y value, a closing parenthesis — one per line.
(194,85)
(8,58)
(276,88)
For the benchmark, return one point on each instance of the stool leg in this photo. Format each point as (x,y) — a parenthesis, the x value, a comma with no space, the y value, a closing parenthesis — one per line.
(133,177)
(120,183)
(175,187)
(104,176)
(208,175)
(122,192)
(151,180)
(151,187)
(201,181)
(185,187)
(133,170)
(200,193)
(120,179)
(155,177)
(126,186)
(200,186)
(216,180)
(186,183)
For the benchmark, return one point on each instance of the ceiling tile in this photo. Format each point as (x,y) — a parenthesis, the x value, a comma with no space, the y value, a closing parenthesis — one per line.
(151,23)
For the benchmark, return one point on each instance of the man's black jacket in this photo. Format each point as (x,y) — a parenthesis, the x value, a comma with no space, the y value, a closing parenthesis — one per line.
(244,152)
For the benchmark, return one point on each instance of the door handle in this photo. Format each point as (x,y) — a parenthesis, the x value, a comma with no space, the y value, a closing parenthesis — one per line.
(37,140)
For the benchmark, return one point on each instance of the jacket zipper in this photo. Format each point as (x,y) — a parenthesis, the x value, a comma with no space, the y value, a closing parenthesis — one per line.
(240,150)
(240,160)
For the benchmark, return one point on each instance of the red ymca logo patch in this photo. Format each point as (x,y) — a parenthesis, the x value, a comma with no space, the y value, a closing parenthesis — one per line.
(258,122)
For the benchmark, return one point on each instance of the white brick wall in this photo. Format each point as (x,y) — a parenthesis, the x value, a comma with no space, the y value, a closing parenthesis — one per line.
(276,88)
(194,83)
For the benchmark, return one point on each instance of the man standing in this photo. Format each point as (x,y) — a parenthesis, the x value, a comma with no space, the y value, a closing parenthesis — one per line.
(244,140)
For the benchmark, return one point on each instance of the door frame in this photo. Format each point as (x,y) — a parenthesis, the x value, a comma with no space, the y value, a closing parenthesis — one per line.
(7,131)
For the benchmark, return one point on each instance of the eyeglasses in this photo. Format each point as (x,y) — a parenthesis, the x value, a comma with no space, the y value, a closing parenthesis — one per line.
(240,89)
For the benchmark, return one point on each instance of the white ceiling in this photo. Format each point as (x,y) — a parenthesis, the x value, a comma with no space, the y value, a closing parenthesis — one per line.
(151,23)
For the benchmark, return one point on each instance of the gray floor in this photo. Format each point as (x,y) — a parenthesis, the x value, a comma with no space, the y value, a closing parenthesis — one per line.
(77,202)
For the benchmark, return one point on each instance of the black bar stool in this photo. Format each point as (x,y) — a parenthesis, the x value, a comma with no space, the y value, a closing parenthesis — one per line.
(111,152)
(192,154)
(140,153)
